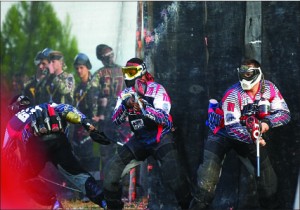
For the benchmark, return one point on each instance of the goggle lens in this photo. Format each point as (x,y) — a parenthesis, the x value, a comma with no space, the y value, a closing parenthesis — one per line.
(131,71)
(246,72)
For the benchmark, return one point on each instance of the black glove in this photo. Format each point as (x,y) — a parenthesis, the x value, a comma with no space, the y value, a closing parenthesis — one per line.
(86,123)
(99,137)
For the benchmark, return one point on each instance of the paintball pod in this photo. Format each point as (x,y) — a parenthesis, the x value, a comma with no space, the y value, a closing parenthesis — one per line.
(263,108)
(39,122)
(45,120)
(254,127)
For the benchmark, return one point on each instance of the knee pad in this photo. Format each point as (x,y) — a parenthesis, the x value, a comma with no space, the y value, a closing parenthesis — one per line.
(125,154)
(115,167)
(165,149)
(209,171)
(208,176)
(170,168)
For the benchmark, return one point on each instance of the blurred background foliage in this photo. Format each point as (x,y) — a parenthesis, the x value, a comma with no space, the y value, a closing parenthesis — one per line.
(30,27)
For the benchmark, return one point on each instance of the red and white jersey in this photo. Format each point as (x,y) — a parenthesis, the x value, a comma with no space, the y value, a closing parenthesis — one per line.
(237,103)
(156,121)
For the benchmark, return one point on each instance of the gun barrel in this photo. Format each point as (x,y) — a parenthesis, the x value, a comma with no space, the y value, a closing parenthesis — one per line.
(257,158)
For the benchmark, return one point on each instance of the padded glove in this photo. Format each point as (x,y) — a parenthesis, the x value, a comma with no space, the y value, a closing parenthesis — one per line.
(99,137)
(128,100)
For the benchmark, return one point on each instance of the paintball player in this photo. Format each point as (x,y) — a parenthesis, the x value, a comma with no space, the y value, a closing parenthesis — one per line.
(251,98)
(31,88)
(58,86)
(36,135)
(107,83)
(151,124)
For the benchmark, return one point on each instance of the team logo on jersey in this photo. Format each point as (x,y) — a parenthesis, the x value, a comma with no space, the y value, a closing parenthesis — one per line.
(137,124)
(230,107)
(229,117)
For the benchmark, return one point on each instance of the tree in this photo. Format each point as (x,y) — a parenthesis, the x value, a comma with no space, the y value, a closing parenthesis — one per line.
(28,28)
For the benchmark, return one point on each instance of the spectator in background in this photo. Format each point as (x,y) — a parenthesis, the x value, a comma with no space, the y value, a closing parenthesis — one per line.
(59,85)
(107,83)
(32,87)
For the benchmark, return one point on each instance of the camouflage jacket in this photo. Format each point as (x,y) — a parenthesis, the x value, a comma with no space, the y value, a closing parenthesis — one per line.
(84,100)
(107,83)
(30,89)
(57,88)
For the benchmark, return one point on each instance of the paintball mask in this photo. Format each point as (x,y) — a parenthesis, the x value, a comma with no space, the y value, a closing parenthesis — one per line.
(249,76)
(132,71)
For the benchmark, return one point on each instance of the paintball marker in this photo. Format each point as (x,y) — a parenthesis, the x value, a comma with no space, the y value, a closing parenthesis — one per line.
(140,87)
(254,127)
(88,138)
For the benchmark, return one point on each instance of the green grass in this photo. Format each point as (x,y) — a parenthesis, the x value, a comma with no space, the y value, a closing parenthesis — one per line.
(78,204)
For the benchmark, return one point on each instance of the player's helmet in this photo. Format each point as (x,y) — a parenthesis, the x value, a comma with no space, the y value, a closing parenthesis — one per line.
(135,68)
(82,59)
(100,51)
(41,55)
(249,76)
(18,103)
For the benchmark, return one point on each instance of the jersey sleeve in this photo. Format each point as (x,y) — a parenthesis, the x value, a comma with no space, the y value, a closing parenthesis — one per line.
(65,108)
(279,111)
(119,114)
(160,110)
(232,114)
